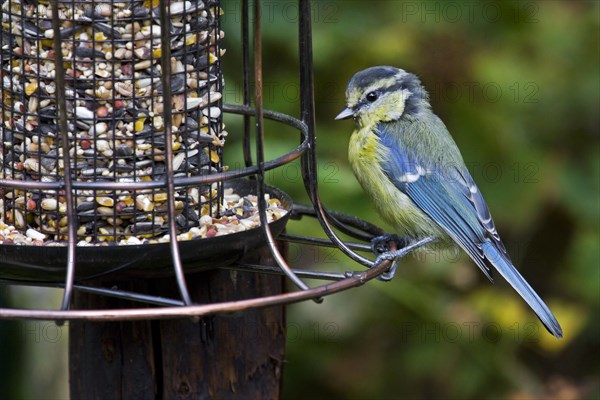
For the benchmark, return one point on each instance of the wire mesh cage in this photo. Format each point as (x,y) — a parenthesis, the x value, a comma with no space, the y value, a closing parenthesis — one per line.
(114,100)
(139,84)
(112,148)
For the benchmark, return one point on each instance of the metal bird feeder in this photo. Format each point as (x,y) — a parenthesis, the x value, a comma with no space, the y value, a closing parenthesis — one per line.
(112,169)
(111,153)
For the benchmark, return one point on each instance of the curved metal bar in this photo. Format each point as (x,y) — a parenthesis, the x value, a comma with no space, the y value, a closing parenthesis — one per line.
(356,279)
(309,161)
(319,274)
(116,293)
(269,269)
(246,83)
(268,165)
(351,279)
(132,296)
(260,176)
(165,59)
(348,230)
(307,127)
(187,181)
(353,226)
(269,114)
(61,103)
(311,241)
(13,184)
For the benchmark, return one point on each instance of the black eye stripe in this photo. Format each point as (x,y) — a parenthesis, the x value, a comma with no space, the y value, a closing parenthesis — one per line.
(379,92)
(415,97)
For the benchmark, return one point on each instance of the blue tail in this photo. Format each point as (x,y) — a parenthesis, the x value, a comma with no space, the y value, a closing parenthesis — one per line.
(510,273)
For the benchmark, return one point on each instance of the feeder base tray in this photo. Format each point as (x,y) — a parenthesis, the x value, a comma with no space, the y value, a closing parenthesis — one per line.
(48,263)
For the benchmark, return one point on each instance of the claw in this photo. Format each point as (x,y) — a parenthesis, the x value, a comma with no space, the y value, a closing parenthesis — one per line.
(393,256)
(404,247)
(381,246)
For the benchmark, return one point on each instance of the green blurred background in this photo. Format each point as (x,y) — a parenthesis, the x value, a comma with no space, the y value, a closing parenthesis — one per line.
(517,84)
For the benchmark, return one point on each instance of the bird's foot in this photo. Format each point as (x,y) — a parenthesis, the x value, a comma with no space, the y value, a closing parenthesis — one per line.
(388,248)
(394,257)
(383,244)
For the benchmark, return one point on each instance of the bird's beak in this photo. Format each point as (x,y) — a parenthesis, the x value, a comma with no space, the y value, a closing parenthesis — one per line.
(345,114)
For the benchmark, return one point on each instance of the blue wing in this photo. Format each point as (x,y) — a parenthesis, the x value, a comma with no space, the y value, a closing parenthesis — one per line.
(448,195)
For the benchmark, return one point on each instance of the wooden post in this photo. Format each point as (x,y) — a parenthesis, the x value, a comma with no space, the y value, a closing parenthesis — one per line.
(223,356)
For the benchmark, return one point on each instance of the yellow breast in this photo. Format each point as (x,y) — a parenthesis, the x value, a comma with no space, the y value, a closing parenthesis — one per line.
(366,155)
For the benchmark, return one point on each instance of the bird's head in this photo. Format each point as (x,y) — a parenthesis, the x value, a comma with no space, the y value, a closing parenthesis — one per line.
(379,94)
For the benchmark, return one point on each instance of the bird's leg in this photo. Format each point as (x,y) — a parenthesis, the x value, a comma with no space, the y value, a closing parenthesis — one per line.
(388,247)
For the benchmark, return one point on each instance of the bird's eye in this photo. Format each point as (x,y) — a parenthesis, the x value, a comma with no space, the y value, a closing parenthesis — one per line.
(372,96)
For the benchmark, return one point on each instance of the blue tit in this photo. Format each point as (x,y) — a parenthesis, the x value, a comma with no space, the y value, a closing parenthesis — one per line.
(405,159)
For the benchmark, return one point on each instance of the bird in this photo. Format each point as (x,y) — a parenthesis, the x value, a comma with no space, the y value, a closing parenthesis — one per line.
(405,159)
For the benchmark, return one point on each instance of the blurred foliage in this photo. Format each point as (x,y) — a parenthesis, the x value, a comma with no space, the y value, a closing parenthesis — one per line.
(517,84)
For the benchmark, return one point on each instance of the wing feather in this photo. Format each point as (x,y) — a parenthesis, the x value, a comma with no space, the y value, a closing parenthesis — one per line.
(427,187)
(449,196)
